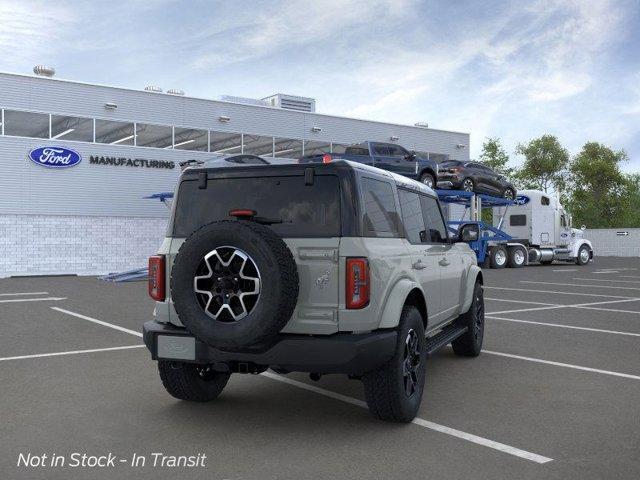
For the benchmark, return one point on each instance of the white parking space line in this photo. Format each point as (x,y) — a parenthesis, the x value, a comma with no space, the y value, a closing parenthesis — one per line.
(22,293)
(606,280)
(565,365)
(580,285)
(99,322)
(559,325)
(609,310)
(527,309)
(529,290)
(353,401)
(629,276)
(418,421)
(521,301)
(576,305)
(567,270)
(45,299)
(71,352)
(605,272)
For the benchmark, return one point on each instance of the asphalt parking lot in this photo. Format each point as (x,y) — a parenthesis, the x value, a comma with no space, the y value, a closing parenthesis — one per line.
(555,393)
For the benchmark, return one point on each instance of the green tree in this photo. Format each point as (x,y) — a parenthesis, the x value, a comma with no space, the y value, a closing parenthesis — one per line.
(600,193)
(545,164)
(495,156)
(631,218)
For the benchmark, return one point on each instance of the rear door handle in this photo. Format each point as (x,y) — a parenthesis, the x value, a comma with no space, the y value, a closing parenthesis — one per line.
(418,265)
(444,262)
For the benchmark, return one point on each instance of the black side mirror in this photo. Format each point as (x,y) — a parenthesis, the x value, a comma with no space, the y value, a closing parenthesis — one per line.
(469,232)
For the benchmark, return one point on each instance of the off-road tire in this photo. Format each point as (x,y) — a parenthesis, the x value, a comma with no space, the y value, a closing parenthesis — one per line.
(191,382)
(495,256)
(425,177)
(512,260)
(469,344)
(278,284)
(384,388)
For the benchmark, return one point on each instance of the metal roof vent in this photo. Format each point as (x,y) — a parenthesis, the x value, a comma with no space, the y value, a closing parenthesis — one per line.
(44,71)
(422,124)
(175,91)
(292,102)
(153,88)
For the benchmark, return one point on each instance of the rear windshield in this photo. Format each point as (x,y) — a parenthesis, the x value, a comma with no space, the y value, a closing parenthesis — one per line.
(304,210)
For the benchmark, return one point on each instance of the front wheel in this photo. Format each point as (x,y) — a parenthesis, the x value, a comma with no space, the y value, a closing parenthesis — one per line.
(428,179)
(468,185)
(469,344)
(583,255)
(188,381)
(394,390)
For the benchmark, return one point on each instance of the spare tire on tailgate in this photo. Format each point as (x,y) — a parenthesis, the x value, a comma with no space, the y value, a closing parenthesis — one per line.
(234,284)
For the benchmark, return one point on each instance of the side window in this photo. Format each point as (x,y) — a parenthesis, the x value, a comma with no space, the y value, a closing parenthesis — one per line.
(412,216)
(517,220)
(397,151)
(380,217)
(436,230)
(544,200)
(563,221)
(380,150)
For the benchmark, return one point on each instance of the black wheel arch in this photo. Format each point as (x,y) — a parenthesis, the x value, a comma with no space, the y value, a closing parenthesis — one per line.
(416,298)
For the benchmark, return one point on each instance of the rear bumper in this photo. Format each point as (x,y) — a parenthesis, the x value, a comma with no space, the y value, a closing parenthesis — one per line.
(352,354)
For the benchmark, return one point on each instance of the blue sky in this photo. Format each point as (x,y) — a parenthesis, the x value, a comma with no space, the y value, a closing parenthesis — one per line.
(515,70)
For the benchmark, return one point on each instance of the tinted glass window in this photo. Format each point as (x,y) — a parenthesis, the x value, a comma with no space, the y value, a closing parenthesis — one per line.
(437,232)
(381,150)
(396,151)
(190,139)
(412,216)
(255,145)
(26,124)
(114,133)
(287,148)
(158,136)
(228,143)
(72,128)
(352,150)
(518,220)
(381,217)
(305,210)
(544,200)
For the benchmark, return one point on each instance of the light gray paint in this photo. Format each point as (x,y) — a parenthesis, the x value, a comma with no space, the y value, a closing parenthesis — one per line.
(607,243)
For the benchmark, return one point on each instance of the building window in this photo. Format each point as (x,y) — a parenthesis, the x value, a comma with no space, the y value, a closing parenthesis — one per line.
(225,143)
(157,136)
(72,128)
(312,147)
(287,148)
(26,124)
(257,145)
(114,133)
(190,139)
(339,148)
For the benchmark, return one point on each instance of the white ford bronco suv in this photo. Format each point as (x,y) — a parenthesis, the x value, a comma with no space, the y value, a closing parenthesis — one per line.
(324,268)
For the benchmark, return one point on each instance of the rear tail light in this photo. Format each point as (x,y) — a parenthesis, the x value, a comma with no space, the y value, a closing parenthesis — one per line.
(358,287)
(156,277)
(326,158)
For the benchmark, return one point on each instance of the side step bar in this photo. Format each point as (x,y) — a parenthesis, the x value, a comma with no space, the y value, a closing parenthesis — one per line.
(442,338)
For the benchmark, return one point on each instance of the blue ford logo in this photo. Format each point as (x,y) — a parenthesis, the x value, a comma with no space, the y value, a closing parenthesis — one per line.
(55,157)
(522,200)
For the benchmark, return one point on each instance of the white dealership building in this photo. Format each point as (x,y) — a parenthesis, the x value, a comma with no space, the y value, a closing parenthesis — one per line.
(78,160)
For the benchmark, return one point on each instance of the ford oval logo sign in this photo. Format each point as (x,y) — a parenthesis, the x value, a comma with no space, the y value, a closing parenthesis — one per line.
(522,200)
(55,157)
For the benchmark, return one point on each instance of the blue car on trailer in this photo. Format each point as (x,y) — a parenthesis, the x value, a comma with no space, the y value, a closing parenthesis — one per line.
(493,246)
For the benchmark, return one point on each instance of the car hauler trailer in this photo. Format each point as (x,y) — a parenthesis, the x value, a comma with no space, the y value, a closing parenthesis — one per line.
(532,229)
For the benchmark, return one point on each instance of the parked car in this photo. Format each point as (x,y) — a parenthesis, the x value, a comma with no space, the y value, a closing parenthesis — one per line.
(474,177)
(328,268)
(387,156)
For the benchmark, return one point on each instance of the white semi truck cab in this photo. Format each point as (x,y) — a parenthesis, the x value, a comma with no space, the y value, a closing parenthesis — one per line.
(540,223)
